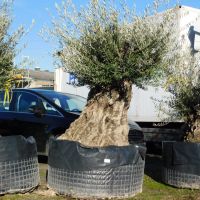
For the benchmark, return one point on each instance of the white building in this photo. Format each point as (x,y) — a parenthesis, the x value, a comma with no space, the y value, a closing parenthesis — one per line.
(63,83)
(143,107)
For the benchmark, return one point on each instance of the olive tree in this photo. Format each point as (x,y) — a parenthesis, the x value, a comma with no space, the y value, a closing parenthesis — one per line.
(183,78)
(8,44)
(110,48)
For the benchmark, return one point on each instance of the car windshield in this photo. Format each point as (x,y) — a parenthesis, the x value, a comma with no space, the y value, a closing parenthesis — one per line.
(68,102)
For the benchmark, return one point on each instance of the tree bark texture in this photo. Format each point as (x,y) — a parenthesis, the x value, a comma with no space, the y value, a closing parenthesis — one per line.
(104,120)
(194,136)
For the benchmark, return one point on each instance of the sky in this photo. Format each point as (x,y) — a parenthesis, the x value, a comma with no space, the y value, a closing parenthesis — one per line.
(37,50)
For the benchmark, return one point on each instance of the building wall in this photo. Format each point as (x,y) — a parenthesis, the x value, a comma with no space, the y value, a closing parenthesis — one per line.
(38,78)
(63,83)
(40,83)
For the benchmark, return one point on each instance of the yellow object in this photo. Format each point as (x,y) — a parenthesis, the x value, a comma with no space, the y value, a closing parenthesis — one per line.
(17,77)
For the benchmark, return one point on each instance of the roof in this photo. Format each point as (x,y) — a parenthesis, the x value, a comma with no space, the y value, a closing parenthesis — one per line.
(189,8)
(41,75)
(44,90)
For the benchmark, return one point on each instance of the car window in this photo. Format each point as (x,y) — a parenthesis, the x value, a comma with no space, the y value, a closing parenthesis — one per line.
(50,110)
(74,104)
(68,102)
(25,101)
(4,103)
(56,101)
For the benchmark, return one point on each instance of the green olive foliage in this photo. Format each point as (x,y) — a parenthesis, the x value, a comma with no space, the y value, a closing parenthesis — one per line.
(8,44)
(104,45)
(184,80)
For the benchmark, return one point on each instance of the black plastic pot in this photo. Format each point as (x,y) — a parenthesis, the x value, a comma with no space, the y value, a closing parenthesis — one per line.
(19,170)
(181,164)
(83,172)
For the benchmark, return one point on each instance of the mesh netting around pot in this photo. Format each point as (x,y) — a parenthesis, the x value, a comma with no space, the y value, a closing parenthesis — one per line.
(19,169)
(180,179)
(181,164)
(95,172)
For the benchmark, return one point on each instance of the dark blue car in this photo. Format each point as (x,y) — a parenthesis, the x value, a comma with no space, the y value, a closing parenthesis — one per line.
(42,114)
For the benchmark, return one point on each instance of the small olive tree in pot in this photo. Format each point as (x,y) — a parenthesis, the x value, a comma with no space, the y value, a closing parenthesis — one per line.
(182,159)
(19,171)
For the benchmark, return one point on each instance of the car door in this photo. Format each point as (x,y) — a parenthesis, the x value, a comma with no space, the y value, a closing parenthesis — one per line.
(28,124)
(31,123)
(7,125)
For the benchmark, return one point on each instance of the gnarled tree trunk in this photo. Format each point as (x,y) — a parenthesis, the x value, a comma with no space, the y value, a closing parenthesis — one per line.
(104,120)
(194,135)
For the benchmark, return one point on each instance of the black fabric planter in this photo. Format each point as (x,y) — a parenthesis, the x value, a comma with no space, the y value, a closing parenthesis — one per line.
(95,172)
(181,164)
(19,170)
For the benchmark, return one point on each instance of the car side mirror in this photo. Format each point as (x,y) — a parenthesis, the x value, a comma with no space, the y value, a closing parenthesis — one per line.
(38,111)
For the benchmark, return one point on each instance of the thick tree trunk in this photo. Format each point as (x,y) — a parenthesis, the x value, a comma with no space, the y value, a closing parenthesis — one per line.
(194,136)
(104,120)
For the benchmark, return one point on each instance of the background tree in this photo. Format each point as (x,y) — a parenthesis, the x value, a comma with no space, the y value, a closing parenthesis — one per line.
(184,81)
(109,48)
(8,43)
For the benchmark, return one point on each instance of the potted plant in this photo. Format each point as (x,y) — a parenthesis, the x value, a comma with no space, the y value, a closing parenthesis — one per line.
(108,48)
(19,169)
(181,160)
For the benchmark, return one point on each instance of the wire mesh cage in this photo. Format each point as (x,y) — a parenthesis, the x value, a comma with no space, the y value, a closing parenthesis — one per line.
(181,164)
(19,176)
(180,179)
(122,181)
(19,169)
(117,180)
